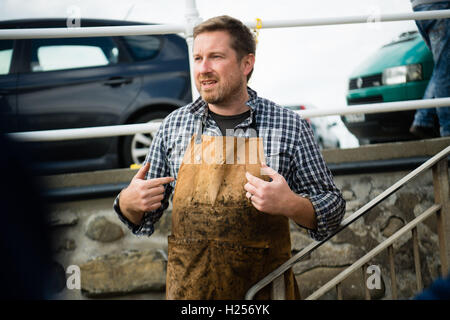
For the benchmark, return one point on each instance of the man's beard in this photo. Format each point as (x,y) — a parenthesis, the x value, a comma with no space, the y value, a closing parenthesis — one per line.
(223,93)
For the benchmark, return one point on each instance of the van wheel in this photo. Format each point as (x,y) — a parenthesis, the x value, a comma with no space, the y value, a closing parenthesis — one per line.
(135,148)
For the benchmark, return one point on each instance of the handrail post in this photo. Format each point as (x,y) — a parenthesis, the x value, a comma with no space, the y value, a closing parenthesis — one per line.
(392,270)
(192,18)
(416,252)
(278,291)
(441,196)
(339,291)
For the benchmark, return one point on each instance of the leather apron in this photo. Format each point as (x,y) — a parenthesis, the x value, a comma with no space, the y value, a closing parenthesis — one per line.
(220,244)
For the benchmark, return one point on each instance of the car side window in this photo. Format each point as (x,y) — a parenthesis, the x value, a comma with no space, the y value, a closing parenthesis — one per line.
(143,47)
(72,53)
(6,51)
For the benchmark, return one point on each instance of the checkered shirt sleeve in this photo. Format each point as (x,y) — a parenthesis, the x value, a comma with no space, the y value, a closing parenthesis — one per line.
(158,168)
(312,179)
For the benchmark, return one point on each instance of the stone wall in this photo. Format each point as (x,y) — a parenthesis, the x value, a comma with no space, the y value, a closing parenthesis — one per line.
(367,232)
(113,262)
(116,264)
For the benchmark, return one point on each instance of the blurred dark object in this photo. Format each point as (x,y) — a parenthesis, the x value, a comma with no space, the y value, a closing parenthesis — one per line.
(439,290)
(26,265)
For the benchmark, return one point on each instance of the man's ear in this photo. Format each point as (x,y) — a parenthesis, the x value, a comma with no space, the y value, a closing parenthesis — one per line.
(247,63)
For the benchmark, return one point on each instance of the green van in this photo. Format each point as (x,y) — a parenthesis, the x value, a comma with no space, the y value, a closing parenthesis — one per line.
(398,71)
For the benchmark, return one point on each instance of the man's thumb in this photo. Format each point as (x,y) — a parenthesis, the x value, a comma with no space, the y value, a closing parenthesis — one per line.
(142,172)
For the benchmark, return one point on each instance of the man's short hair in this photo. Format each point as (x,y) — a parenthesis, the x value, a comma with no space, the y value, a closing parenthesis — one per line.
(242,39)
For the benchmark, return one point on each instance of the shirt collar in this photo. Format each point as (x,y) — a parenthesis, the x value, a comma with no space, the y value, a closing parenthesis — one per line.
(198,107)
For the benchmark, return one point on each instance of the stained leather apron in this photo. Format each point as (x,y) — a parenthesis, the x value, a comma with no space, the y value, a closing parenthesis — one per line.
(220,244)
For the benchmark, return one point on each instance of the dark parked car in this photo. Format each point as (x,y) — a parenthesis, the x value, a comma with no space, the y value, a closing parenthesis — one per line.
(398,71)
(48,84)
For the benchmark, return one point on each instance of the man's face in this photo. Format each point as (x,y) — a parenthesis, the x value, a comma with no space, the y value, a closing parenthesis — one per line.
(219,76)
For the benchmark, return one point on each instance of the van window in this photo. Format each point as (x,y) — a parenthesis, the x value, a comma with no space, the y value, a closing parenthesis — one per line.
(72,53)
(6,50)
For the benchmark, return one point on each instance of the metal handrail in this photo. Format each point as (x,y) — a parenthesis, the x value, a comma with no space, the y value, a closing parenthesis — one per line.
(379,248)
(359,213)
(129,129)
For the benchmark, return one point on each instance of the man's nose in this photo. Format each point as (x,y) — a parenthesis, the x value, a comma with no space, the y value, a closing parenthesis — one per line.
(204,66)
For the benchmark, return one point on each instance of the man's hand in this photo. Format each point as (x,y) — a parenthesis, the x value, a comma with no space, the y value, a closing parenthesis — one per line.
(277,198)
(142,195)
(269,197)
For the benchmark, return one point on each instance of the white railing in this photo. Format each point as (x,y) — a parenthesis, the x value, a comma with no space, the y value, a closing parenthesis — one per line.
(435,14)
(89,31)
(85,133)
(191,19)
(182,28)
(129,129)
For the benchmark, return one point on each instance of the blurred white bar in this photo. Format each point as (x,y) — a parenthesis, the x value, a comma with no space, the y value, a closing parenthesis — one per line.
(85,133)
(377,107)
(90,31)
(192,18)
(129,129)
(370,18)
(181,28)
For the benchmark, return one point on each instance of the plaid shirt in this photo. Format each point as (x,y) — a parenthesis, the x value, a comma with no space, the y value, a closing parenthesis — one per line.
(289,148)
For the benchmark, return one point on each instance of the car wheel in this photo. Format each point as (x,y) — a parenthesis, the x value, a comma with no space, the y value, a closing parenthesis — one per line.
(135,147)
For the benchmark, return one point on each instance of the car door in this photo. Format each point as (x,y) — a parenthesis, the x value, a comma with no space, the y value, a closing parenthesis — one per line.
(8,84)
(74,83)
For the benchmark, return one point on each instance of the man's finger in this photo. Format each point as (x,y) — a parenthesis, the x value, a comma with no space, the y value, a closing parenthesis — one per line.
(155,199)
(142,172)
(257,182)
(159,181)
(266,170)
(250,188)
(155,191)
